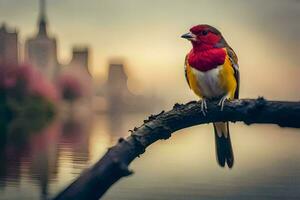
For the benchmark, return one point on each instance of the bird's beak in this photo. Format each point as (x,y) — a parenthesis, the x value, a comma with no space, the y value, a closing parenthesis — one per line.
(189,36)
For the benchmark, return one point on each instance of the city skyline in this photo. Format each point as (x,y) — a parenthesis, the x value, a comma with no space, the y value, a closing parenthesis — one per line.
(40,51)
(148,39)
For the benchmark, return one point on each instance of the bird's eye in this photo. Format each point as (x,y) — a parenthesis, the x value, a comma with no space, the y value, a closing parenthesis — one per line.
(204,32)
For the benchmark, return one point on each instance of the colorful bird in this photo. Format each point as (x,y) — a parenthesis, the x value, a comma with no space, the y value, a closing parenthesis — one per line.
(212,72)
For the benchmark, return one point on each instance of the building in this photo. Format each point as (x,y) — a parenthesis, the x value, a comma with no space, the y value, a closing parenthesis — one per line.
(119,98)
(41,50)
(8,46)
(117,79)
(116,87)
(80,58)
(77,72)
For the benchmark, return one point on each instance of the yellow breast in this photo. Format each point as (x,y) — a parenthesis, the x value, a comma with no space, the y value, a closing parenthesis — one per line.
(217,82)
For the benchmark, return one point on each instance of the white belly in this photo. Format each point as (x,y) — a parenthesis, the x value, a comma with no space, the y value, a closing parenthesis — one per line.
(209,82)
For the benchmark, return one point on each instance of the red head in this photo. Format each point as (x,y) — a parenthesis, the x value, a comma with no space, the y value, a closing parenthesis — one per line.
(204,37)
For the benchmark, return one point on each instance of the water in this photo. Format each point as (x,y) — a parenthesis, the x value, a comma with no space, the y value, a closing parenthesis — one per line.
(39,164)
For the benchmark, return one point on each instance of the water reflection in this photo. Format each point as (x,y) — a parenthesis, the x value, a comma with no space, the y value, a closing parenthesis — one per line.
(39,161)
(44,161)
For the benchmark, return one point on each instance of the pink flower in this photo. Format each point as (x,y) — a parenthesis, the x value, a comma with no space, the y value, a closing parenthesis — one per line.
(30,80)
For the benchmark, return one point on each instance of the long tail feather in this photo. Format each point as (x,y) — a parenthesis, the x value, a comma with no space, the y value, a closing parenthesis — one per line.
(224,151)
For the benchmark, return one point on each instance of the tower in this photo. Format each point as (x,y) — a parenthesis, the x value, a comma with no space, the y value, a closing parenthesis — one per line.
(41,50)
(42,18)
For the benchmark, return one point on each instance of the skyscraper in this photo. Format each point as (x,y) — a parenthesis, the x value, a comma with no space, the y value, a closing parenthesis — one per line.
(41,50)
(8,46)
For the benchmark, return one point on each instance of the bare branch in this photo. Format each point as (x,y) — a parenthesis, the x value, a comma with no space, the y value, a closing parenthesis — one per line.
(94,182)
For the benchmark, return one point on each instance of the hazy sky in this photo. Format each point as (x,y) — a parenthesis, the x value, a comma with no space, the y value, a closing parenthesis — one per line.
(265,35)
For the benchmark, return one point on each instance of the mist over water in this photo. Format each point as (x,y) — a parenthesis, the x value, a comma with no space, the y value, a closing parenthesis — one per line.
(183,167)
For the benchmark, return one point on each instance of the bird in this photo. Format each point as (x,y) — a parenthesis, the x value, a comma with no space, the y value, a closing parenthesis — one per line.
(212,73)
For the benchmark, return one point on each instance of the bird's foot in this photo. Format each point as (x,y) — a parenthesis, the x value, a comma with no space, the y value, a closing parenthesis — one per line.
(203,106)
(222,101)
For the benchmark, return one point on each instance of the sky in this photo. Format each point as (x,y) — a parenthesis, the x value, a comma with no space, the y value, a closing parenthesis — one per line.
(146,35)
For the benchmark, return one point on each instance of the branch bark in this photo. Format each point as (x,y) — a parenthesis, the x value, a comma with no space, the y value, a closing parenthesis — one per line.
(94,182)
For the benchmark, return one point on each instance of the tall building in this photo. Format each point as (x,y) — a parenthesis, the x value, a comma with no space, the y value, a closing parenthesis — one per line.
(117,80)
(118,96)
(80,58)
(116,86)
(78,70)
(41,50)
(8,46)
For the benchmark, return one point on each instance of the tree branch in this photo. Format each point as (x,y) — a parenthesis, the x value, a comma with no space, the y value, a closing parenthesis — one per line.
(94,182)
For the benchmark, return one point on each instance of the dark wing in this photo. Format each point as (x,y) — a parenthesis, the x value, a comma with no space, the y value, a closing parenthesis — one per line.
(185,70)
(234,61)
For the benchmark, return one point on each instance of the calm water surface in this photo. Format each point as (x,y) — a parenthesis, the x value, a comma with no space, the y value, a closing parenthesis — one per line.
(39,164)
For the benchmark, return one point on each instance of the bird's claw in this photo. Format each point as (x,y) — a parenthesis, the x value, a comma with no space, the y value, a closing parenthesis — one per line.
(203,107)
(222,101)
